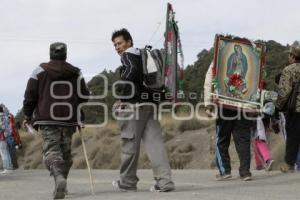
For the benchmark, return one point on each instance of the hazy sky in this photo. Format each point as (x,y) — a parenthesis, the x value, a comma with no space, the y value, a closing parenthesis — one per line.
(27,27)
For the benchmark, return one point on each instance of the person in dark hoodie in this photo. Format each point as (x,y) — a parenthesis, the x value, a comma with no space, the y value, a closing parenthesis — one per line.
(51,104)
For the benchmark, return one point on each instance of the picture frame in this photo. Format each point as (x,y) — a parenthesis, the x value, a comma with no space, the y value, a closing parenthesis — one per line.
(237,73)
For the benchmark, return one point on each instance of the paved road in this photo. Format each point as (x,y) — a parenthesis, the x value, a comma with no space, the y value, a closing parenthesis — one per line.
(191,184)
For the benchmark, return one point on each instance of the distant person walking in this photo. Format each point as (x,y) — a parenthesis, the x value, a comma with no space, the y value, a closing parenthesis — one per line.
(5,133)
(13,142)
(55,117)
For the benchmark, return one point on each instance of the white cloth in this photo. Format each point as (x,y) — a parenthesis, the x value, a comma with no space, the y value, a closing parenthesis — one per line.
(208,85)
(282,123)
(260,129)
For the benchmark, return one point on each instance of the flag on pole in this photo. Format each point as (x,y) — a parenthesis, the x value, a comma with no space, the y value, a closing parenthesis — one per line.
(173,71)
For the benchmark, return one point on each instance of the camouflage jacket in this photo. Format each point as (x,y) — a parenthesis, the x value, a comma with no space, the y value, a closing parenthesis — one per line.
(289,77)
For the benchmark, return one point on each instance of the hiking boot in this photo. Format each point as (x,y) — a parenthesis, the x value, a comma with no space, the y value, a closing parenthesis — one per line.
(259,167)
(247,177)
(60,187)
(156,188)
(224,177)
(121,188)
(286,168)
(269,165)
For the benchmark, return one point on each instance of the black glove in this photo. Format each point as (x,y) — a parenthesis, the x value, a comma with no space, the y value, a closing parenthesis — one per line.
(276,114)
(276,128)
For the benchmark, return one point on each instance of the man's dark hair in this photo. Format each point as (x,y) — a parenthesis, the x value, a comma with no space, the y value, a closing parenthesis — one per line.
(122,32)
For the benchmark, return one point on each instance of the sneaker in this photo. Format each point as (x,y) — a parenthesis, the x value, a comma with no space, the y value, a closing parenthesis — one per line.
(259,167)
(60,187)
(269,165)
(121,188)
(156,188)
(220,177)
(246,177)
(7,171)
(286,168)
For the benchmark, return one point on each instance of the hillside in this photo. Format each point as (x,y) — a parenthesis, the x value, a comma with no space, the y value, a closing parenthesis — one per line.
(190,145)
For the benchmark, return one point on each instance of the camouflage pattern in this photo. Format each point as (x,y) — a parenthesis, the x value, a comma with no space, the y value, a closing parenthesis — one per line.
(57,149)
(289,77)
(58,49)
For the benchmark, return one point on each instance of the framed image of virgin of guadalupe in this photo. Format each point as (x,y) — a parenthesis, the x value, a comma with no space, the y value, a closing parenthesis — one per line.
(237,73)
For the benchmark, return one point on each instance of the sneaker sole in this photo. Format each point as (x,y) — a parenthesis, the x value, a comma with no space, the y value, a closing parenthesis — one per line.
(163,190)
(224,178)
(117,188)
(60,190)
(247,179)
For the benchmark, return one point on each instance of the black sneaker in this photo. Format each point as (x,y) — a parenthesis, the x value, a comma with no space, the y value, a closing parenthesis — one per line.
(121,188)
(156,188)
(60,187)
(246,177)
(269,165)
(259,167)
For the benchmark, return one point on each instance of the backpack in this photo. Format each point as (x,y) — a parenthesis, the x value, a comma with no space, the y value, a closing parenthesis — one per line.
(153,68)
(15,137)
(293,98)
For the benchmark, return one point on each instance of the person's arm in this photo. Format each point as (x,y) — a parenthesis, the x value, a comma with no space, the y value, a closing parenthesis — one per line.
(14,131)
(284,88)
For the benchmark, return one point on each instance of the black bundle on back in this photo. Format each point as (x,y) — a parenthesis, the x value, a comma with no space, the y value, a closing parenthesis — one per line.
(153,68)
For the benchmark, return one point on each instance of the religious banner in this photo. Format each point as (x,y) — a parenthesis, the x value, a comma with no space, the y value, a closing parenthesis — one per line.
(238,73)
(173,71)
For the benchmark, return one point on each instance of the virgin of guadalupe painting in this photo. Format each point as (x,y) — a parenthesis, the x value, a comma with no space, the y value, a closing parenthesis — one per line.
(237,64)
(237,71)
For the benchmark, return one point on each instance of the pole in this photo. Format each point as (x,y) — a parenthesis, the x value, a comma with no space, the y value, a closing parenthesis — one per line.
(87,162)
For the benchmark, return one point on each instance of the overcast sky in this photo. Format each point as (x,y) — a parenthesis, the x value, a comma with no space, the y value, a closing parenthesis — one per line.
(27,27)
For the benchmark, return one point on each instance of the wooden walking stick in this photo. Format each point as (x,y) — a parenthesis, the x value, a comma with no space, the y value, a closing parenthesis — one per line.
(87,162)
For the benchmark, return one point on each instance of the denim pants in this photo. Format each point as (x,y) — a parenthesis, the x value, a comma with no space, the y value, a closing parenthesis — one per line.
(4,153)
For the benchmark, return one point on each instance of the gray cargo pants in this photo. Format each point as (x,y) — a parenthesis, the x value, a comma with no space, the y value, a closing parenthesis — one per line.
(147,129)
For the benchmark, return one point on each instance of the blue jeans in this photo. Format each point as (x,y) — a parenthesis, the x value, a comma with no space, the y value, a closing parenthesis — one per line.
(4,153)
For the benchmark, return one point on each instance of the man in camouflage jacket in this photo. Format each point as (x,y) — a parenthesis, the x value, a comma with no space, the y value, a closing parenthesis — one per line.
(289,78)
